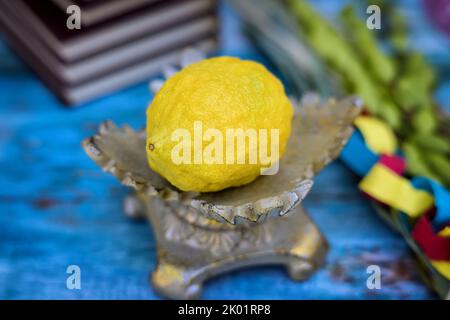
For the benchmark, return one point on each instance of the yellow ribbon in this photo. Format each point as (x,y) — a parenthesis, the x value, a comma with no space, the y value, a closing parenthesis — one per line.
(386,186)
(443,267)
(378,136)
(445,232)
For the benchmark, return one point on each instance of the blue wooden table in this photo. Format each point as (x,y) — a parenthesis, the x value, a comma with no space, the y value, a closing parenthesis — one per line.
(58,209)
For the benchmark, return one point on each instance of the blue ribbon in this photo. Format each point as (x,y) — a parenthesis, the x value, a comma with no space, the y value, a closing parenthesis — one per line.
(441,198)
(357,156)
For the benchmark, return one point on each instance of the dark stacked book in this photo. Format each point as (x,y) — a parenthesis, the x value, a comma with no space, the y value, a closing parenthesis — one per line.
(119,42)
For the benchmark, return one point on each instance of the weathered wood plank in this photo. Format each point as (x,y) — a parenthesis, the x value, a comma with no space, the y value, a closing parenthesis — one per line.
(58,209)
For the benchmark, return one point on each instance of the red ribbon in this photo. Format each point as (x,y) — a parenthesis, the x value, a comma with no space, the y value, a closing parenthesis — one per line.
(434,246)
(395,163)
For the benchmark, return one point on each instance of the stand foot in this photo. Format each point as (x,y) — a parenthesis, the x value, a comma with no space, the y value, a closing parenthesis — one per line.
(192,248)
(174,282)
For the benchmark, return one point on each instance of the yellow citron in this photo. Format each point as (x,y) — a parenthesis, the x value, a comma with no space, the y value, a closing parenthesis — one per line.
(192,120)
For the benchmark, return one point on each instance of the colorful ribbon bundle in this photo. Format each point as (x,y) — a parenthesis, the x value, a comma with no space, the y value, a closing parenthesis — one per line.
(419,208)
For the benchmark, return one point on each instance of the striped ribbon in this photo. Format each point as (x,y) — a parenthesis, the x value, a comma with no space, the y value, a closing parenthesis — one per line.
(372,154)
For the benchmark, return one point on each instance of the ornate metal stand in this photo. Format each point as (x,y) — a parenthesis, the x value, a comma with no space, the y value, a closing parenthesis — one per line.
(192,248)
(202,235)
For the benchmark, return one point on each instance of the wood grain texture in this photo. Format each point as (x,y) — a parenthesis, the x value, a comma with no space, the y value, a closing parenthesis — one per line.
(57,209)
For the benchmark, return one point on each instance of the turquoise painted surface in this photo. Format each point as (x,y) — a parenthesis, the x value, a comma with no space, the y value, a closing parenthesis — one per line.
(57,208)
